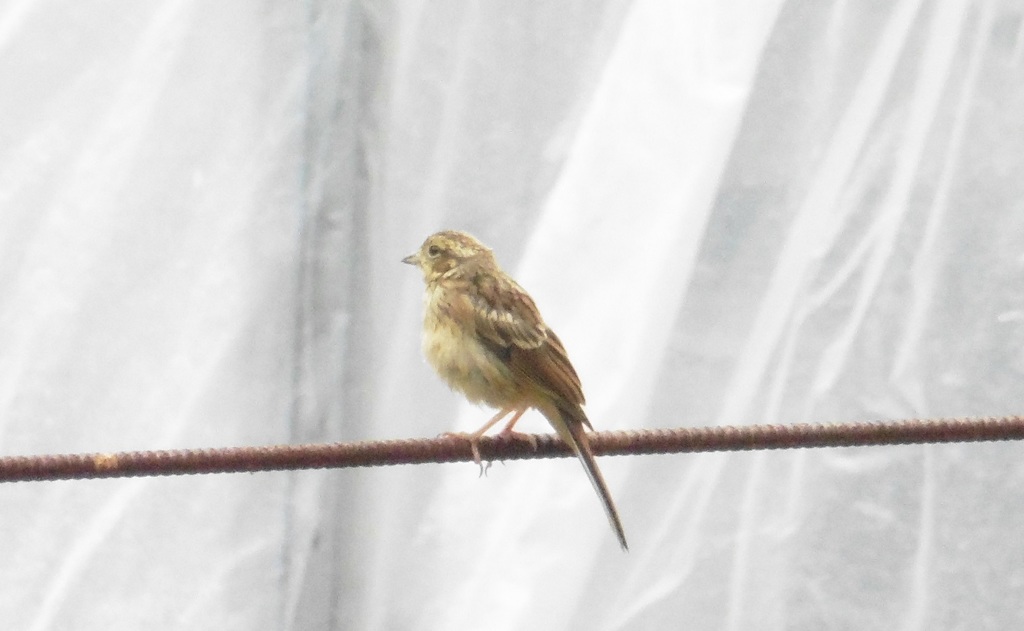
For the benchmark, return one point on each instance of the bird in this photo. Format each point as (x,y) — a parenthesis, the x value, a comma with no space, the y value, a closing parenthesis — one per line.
(485,337)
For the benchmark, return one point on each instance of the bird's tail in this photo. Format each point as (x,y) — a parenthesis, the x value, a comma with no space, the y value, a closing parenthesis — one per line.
(572,431)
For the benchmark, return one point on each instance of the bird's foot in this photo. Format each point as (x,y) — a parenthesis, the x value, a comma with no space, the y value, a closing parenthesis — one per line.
(514,435)
(474,445)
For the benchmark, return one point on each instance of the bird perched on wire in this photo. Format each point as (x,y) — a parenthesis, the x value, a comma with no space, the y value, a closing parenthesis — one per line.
(484,335)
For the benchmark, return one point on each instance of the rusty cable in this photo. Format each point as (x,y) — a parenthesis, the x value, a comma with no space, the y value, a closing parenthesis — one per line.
(504,447)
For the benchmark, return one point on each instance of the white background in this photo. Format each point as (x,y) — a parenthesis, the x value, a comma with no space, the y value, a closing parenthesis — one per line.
(732,212)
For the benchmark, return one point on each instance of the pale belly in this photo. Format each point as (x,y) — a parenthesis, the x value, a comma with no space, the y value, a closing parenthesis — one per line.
(467,366)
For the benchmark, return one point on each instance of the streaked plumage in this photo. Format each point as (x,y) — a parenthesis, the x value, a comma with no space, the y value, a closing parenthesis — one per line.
(484,335)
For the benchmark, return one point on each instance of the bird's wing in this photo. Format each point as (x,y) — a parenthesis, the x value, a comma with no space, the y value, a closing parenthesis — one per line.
(508,322)
(505,314)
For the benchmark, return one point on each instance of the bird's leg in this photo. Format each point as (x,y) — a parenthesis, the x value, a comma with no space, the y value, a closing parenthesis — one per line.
(494,421)
(512,422)
(474,437)
(508,431)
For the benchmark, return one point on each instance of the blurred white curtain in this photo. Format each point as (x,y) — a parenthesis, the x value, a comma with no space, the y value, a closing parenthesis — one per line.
(731,212)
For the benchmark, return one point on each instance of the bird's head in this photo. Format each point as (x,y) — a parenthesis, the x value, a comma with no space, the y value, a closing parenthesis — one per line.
(447,250)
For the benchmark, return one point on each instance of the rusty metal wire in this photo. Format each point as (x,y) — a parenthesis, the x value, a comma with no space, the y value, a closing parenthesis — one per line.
(514,447)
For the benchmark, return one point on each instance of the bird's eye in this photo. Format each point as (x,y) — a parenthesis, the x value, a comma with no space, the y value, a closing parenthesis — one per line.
(434,250)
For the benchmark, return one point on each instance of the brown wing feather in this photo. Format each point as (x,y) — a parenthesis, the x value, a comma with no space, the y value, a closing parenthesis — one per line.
(509,323)
(505,314)
(549,368)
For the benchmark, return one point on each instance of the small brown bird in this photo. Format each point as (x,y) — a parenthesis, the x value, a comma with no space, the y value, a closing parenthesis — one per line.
(483,334)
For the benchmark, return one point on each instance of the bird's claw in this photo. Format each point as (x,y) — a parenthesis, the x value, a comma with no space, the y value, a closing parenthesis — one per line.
(474,445)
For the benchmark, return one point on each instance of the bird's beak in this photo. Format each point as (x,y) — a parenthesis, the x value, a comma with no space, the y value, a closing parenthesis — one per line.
(412,259)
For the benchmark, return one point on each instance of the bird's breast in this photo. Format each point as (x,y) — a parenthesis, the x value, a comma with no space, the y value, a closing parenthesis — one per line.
(453,347)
